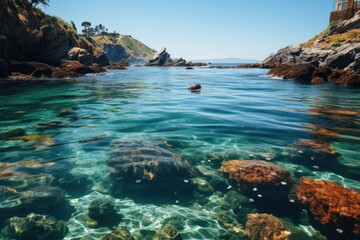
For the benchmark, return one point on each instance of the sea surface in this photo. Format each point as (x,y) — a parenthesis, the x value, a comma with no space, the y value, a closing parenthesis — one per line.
(71,126)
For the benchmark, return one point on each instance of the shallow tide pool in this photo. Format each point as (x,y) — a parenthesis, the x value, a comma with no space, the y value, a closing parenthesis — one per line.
(70,127)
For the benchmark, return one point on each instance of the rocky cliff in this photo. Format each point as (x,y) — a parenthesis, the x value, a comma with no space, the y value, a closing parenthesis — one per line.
(123,48)
(338,47)
(28,34)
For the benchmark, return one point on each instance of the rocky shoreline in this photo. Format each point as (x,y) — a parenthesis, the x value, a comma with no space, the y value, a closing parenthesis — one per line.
(331,56)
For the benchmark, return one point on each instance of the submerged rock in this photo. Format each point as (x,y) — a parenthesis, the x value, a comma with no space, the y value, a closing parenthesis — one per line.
(103,212)
(178,222)
(255,173)
(12,133)
(35,226)
(266,226)
(168,232)
(118,234)
(35,138)
(145,161)
(331,204)
(42,197)
(318,146)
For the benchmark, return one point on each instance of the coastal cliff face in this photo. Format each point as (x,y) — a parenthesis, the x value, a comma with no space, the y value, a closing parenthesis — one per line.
(338,47)
(123,48)
(28,34)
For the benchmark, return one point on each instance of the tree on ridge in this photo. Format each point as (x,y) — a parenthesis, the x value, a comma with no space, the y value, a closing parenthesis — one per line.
(86,25)
(34,3)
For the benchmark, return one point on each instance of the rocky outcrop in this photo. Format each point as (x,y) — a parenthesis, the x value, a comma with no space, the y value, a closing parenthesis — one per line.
(331,204)
(81,55)
(118,65)
(162,58)
(255,173)
(100,58)
(266,226)
(28,34)
(336,48)
(42,70)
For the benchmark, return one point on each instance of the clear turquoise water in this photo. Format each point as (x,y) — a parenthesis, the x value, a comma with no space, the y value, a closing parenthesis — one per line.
(239,114)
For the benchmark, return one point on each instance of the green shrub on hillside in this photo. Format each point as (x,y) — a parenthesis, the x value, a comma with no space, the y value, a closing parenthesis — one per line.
(337,41)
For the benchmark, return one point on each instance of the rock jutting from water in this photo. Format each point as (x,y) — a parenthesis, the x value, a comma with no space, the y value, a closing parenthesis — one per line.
(35,226)
(162,58)
(331,204)
(266,226)
(265,176)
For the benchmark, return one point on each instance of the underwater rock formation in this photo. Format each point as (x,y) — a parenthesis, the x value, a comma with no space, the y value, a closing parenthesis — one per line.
(103,212)
(118,234)
(267,227)
(35,226)
(331,204)
(145,161)
(167,232)
(250,173)
(316,146)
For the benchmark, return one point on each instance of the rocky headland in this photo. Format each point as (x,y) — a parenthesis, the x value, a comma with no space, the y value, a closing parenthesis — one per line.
(36,45)
(331,56)
(123,48)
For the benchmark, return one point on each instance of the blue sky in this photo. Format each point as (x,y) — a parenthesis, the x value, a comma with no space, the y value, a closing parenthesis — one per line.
(199,29)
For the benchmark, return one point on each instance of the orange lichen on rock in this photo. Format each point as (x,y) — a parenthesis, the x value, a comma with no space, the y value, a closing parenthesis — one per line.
(331,203)
(316,145)
(250,173)
(267,227)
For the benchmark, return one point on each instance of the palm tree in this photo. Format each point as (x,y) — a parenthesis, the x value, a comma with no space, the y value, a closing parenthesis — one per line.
(34,3)
(86,25)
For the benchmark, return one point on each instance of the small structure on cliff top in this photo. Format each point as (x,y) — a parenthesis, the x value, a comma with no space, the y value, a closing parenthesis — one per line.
(344,9)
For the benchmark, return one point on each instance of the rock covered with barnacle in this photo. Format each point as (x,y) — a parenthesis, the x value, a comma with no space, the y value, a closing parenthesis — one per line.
(255,173)
(144,160)
(266,226)
(331,204)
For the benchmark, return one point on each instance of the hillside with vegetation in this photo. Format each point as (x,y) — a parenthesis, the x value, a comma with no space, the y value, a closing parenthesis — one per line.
(337,47)
(28,34)
(123,48)
(333,55)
